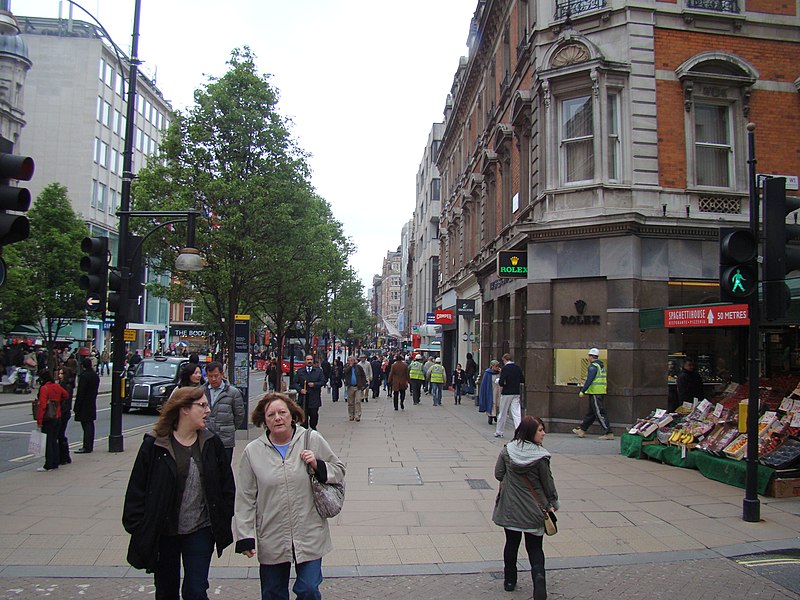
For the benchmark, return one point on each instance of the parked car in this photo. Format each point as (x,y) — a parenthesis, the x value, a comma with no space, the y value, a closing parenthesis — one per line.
(152,382)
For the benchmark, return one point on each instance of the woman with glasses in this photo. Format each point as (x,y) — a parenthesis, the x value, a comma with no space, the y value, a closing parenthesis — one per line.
(179,501)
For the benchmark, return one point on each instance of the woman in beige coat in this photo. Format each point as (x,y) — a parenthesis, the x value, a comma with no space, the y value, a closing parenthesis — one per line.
(275,512)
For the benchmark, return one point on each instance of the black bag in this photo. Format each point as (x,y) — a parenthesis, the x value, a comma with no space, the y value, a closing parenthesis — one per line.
(51,412)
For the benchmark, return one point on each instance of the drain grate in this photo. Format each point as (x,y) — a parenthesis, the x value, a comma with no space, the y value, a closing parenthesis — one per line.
(478,484)
(438,454)
(394,476)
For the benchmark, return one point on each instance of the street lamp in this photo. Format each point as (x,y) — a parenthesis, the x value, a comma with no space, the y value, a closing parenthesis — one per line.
(350,344)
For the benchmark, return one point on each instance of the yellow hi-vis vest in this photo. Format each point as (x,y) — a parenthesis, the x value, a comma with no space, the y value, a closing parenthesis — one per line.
(437,374)
(598,385)
(416,371)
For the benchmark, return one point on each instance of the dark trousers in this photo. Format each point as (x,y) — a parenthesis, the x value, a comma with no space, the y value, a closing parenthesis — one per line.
(312,417)
(334,392)
(63,443)
(401,394)
(88,435)
(195,549)
(416,386)
(50,430)
(533,546)
(275,580)
(597,410)
(229,454)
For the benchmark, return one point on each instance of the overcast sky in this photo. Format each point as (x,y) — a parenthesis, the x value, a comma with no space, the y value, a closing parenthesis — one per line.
(363,81)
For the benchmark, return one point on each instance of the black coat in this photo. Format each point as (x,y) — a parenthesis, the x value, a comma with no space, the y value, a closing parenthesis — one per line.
(690,386)
(313,394)
(151,497)
(86,396)
(376,373)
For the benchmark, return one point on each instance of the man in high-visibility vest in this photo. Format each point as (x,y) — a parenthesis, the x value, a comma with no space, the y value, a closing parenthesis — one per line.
(437,377)
(416,377)
(595,387)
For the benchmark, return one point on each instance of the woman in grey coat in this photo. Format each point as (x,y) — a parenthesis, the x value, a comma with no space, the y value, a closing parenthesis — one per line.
(516,510)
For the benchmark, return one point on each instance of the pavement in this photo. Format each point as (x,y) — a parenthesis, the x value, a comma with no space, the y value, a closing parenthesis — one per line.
(417,520)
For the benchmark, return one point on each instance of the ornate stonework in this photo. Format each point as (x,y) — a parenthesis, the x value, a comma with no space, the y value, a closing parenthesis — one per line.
(570,54)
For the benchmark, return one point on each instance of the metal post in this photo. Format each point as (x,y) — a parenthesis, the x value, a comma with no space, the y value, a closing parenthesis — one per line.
(751,506)
(115,439)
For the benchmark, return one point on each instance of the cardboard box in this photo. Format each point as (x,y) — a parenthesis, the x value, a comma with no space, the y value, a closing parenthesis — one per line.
(784,488)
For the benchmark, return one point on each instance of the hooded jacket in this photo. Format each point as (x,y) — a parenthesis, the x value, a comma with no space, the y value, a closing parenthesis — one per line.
(151,496)
(274,505)
(515,506)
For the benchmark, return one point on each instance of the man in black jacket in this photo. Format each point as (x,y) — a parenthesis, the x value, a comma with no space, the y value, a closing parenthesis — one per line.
(85,407)
(511,378)
(689,385)
(309,381)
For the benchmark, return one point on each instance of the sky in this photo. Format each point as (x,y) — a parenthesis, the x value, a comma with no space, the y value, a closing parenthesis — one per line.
(363,81)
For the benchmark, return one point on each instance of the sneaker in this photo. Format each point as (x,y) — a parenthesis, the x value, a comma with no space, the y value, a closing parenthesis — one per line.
(579,432)
(608,436)
(43,470)
(498,435)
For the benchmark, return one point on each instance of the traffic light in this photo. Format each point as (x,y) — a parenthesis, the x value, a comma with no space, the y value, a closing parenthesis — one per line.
(737,271)
(128,310)
(779,257)
(95,265)
(14,227)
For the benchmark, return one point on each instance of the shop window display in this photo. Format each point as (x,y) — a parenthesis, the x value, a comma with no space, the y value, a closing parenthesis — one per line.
(571,365)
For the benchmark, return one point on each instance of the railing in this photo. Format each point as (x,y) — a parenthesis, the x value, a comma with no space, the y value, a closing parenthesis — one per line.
(524,43)
(505,84)
(729,6)
(570,8)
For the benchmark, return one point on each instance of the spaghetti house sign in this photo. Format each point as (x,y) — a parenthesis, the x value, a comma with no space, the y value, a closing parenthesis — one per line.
(512,264)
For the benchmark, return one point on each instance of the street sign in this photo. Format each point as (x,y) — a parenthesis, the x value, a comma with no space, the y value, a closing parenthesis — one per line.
(443,317)
(129,335)
(93,302)
(465,308)
(732,315)
(430,319)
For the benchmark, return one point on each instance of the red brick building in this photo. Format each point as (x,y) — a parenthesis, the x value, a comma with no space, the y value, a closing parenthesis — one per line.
(607,141)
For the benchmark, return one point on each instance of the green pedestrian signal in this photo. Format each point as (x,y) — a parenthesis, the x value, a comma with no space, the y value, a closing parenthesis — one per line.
(738,279)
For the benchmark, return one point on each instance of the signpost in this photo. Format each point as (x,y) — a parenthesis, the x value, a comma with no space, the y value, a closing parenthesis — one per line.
(241,358)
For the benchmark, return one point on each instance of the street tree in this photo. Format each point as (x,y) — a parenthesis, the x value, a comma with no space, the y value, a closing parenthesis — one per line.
(42,290)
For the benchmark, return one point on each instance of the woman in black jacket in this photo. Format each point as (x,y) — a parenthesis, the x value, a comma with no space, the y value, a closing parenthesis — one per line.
(179,501)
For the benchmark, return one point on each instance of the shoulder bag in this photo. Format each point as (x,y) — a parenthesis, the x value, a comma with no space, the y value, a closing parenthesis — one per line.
(328,497)
(550,527)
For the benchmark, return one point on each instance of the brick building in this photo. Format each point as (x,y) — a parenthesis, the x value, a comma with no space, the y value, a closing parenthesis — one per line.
(607,140)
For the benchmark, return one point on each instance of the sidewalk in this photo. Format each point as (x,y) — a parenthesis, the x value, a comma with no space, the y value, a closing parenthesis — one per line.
(420,494)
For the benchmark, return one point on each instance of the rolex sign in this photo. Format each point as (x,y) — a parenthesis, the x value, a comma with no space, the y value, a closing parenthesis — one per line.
(512,264)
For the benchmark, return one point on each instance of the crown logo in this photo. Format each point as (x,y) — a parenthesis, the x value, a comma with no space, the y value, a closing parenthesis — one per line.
(514,260)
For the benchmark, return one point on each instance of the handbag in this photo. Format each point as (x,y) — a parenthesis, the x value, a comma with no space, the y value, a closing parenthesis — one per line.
(51,412)
(328,497)
(550,519)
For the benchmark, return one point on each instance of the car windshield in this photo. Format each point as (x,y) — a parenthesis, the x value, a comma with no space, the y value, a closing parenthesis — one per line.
(158,369)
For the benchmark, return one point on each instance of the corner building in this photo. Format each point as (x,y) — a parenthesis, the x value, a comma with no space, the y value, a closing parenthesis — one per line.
(607,140)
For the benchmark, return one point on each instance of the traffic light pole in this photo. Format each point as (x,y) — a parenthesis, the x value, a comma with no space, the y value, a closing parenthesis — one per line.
(751,506)
(115,440)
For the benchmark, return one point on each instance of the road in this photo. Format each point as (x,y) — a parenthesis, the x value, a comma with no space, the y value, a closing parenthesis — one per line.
(16,424)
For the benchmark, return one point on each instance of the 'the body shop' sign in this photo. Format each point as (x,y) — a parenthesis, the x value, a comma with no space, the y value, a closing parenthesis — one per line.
(512,264)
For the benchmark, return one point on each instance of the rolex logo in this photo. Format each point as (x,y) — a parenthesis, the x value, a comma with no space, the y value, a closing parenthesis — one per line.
(514,260)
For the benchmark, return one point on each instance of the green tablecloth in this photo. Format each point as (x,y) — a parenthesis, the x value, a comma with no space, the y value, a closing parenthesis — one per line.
(630,445)
(672,455)
(730,471)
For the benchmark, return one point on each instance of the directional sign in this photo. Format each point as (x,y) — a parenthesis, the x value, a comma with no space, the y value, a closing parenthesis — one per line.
(732,315)
(93,302)
(129,335)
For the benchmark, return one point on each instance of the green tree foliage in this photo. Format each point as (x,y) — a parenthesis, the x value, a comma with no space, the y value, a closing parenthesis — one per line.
(270,242)
(43,271)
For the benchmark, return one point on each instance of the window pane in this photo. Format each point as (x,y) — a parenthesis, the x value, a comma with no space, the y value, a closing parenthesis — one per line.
(613,136)
(580,160)
(711,124)
(577,117)
(712,166)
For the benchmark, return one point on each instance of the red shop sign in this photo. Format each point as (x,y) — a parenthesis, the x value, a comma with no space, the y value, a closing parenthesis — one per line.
(733,315)
(443,317)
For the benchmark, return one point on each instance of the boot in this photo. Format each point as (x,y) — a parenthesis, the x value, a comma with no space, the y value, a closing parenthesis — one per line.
(539,587)
(509,579)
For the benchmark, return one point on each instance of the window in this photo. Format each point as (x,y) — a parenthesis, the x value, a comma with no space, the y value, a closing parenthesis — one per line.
(101,196)
(109,76)
(99,109)
(114,161)
(97,150)
(140,104)
(139,139)
(713,149)
(94,193)
(102,72)
(112,201)
(103,155)
(436,190)
(107,114)
(577,139)
(188,309)
(117,119)
(120,85)
(613,137)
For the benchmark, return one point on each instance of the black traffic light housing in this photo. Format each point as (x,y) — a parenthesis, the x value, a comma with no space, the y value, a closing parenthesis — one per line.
(13,227)
(129,310)
(779,256)
(95,265)
(738,279)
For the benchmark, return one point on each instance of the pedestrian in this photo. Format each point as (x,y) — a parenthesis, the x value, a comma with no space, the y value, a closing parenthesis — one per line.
(336,378)
(595,388)
(66,379)
(459,379)
(53,393)
(364,364)
(191,376)
(375,383)
(275,512)
(105,362)
(355,381)
(386,366)
(180,496)
(326,370)
(398,382)
(308,381)
(436,377)
(227,407)
(526,489)
(86,404)
(689,385)
(489,393)
(416,374)
(510,381)
(429,362)
(471,370)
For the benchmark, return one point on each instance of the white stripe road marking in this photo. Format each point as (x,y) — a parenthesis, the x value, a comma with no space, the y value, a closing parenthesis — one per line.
(32,421)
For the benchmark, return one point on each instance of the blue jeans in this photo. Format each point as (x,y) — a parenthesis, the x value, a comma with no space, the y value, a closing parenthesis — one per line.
(275,580)
(195,549)
(436,392)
